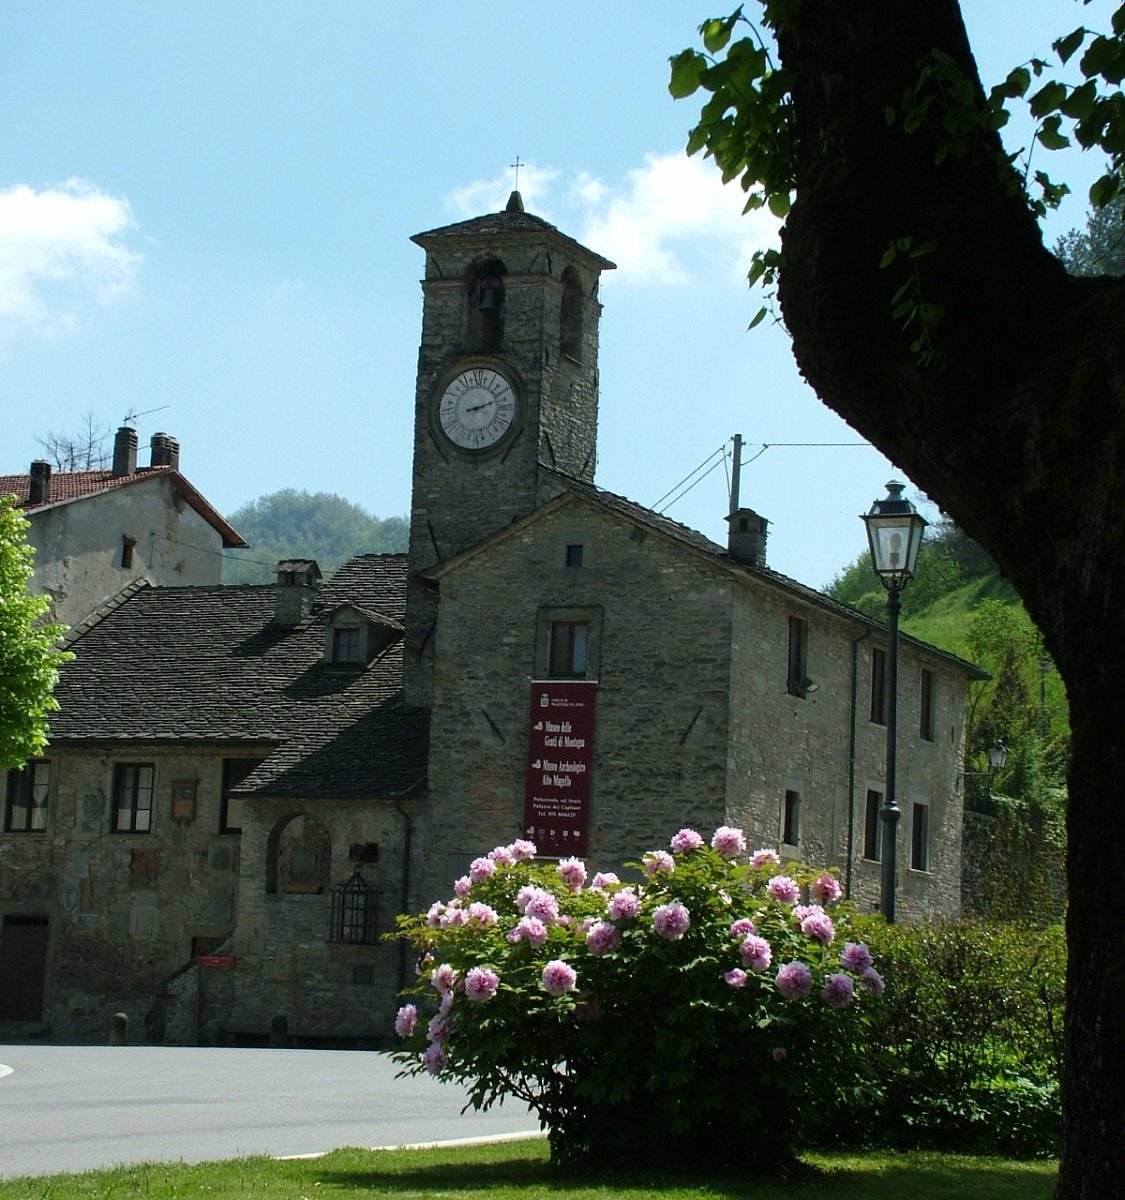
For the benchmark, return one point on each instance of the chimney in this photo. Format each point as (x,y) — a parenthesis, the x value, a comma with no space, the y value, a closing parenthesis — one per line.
(39,484)
(297,583)
(746,538)
(165,451)
(124,452)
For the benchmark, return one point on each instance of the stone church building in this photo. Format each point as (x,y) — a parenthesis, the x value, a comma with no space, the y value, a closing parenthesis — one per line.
(245,785)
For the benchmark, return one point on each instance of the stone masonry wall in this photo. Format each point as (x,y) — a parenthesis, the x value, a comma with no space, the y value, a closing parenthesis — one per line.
(660,635)
(123,908)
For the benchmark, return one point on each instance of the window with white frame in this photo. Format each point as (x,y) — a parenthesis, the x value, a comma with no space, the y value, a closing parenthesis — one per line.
(25,808)
(132,797)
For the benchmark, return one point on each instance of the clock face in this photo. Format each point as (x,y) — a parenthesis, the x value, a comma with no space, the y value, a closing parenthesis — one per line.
(477,409)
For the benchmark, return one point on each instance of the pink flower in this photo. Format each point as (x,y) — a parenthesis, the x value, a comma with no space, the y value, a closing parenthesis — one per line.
(736,977)
(805,910)
(855,956)
(405,1020)
(685,840)
(624,904)
(779,1054)
(602,880)
(537,902)
(873,981)
(658,862)
(671,920)
(484,913)
(529,929)
(782,888)
(434,914)
(763,858)
(559,977)
(446,1002)
(523,850)
(481,868)
(572,872)
(462,886)
(728,842)
(756,953)
(454,914)
(794,981)
(444,978)
(819,926)
(602,938)
(743,927)
(434,1058)
(502,856)
(481,983)
(838,990)
(438,1028)
(826,889)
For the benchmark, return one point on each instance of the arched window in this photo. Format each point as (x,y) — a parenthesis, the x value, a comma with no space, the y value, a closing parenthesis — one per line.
(486,305)
(570,315)
(298,856)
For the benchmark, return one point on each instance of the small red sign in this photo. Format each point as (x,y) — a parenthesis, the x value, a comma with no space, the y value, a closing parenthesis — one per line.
(560,761)
(216,960)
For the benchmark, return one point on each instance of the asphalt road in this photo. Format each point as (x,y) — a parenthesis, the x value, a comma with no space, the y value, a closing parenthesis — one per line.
(74,1108)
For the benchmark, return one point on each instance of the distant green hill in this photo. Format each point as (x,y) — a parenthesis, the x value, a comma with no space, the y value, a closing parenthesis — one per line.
(300,524)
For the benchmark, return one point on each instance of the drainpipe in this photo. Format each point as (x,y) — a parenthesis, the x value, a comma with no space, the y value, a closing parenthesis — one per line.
(853,737)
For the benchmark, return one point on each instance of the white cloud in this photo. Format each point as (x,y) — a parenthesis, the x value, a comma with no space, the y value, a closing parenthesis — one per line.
(59,247)
(669,221)
(491,195)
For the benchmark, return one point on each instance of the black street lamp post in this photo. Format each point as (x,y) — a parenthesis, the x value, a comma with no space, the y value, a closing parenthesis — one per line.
(894,533)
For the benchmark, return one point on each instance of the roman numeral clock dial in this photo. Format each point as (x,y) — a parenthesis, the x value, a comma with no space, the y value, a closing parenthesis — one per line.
(477,410)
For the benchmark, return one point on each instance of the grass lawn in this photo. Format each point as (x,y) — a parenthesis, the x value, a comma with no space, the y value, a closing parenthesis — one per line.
(520,1171)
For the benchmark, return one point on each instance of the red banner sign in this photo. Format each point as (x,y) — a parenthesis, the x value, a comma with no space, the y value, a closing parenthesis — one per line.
(560,761)
(216,960)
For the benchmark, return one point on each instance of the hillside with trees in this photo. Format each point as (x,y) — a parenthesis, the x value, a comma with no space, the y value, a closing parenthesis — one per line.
(959,600)
(300,524)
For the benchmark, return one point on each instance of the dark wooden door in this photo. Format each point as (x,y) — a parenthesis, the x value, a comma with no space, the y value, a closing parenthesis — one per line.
(23,966)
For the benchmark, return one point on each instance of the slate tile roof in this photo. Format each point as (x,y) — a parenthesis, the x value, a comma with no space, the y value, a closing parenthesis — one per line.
(208,665)
(68,486)
(510,221)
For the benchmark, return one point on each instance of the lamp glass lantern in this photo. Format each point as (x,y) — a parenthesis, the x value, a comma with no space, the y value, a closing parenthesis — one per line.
(894,533)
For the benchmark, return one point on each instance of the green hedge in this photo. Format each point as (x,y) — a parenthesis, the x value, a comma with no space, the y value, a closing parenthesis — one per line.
(966,1050)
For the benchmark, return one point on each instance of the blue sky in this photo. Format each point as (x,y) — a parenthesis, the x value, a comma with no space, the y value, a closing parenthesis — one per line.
(205,210)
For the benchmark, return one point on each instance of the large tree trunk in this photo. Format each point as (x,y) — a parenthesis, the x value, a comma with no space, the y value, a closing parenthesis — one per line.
(1017,429)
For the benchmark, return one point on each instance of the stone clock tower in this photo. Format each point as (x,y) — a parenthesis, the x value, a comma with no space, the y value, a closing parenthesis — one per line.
(507,385)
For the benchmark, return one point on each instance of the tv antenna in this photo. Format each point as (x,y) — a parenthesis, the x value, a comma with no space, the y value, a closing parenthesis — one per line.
(130,418)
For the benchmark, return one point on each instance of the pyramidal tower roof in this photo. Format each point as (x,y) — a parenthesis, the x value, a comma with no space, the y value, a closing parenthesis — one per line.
(514,220)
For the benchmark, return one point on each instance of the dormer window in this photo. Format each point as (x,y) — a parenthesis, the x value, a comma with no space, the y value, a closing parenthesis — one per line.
(346,644)
(357,636)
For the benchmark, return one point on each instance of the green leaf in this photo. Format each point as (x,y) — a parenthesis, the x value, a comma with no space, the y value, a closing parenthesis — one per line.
(1080,102)
(1066,46)
(1050,137)
(888,257)
(1103,190)
(1049,97)
(779,203)
(716,33)
(687,66)
(759,317)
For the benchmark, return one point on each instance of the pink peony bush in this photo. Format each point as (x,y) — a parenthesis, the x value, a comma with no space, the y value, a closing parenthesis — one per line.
(709,1008)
